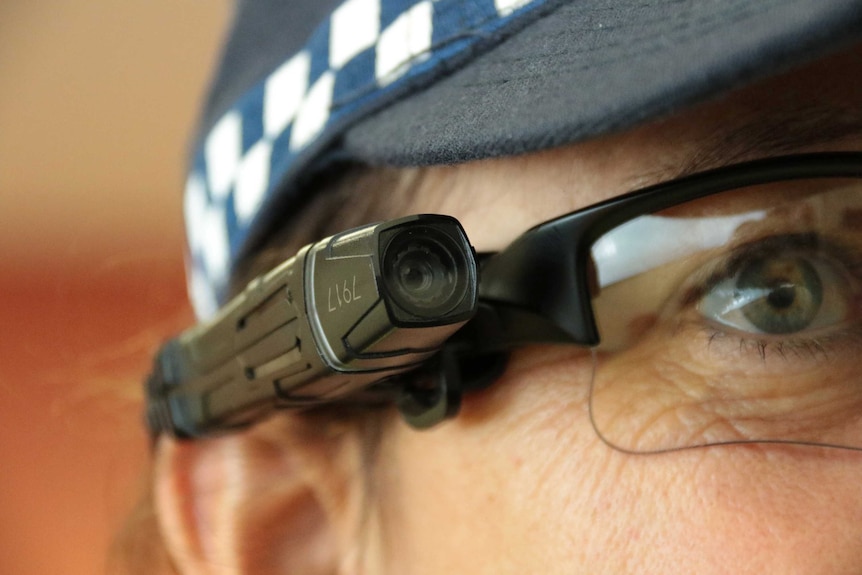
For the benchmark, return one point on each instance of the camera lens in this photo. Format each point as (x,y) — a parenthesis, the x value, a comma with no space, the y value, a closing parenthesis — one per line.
(421,275)
(424,271)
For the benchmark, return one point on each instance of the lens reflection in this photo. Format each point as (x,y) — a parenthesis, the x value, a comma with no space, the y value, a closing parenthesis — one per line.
(739,323)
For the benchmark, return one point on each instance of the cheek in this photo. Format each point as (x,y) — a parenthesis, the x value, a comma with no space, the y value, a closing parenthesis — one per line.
(756,508)
(521,483)
(488,477)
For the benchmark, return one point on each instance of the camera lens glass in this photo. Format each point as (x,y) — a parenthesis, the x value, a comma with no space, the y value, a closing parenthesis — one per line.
(421,274)
(425,271)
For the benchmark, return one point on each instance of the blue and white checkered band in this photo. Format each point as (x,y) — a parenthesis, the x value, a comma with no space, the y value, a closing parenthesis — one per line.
(361,56)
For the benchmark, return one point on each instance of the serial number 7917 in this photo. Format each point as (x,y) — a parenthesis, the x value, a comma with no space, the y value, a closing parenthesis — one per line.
(345,293)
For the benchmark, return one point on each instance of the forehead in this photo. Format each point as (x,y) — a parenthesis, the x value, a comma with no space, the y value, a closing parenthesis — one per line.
(812,109)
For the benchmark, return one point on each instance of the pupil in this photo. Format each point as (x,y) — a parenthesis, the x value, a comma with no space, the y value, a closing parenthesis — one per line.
(782,297)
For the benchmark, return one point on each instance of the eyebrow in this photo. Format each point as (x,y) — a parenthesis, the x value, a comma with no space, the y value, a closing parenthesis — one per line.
(767,133)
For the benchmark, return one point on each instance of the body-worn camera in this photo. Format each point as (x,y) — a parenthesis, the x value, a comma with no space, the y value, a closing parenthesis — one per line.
(337,320)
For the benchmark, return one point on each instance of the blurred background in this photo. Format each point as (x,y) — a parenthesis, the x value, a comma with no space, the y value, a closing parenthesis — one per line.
(98,99)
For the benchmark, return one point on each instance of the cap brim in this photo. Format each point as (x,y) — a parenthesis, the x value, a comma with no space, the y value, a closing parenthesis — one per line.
(591,67)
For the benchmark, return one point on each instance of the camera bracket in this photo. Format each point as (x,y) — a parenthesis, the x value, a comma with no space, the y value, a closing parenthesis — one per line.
(435,395)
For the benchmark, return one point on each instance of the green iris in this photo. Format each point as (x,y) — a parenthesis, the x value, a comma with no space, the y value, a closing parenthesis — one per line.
(787,293)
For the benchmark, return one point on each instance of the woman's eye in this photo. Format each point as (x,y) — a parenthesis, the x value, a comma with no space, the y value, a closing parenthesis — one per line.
(780,294)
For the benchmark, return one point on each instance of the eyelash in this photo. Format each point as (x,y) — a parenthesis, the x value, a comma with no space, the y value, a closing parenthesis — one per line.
(813,347)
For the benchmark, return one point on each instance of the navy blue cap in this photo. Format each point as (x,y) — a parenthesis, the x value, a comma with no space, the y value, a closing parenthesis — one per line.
(420,82)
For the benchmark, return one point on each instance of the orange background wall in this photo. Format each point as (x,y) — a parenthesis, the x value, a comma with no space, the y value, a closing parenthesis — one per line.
(97,101)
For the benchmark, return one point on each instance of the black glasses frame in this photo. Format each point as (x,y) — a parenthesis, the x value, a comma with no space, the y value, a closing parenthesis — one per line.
(537,290)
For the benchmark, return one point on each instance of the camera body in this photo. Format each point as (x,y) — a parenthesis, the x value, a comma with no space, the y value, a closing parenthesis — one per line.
(336,320)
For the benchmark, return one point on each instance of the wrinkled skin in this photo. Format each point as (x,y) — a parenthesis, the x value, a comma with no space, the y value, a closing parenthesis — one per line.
(519,482)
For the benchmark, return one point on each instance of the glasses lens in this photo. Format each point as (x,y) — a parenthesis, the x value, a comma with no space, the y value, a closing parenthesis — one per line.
(732,319)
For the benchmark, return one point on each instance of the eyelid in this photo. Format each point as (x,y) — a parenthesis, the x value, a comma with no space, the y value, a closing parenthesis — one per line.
(730,265)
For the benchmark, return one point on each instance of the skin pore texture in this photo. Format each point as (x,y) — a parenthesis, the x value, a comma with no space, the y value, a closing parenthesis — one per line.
(519,482)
